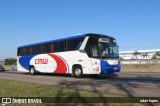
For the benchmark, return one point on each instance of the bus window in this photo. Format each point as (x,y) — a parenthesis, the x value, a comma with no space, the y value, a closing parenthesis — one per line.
(21,51)
(30,50)
(42,49)
(24,51)
(62,46)
(91,44)
(27,51)
(18,53)
(55,49)
(94,51)
(47,48)
(33,50)
(51,47)
(74,44)
(38,49)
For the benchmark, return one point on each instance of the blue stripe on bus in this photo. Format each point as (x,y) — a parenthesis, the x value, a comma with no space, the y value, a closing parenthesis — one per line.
(25,61)
(106,68)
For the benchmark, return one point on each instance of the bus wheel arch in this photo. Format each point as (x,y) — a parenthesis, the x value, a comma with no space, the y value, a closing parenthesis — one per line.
(32,70)
(77,71)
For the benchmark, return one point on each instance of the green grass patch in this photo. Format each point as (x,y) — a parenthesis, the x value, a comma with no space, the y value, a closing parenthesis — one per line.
(21,89)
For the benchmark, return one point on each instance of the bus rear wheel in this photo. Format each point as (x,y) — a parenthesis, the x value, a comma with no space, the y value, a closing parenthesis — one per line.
(32,71)
(78,73)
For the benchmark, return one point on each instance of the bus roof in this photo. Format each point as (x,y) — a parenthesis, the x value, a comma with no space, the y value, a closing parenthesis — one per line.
(67,38)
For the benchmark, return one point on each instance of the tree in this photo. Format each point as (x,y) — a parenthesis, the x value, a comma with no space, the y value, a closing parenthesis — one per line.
(136,53)
(156,55)
(10,61)
(145,55)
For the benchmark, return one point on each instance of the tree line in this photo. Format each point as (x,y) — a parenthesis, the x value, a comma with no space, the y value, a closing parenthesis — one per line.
(10,61)
(144,55)
(155,56)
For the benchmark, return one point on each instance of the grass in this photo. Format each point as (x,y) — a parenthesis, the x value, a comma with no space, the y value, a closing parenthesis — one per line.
(21,89)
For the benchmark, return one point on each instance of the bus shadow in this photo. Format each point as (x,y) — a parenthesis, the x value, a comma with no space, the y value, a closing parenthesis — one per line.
(127,86)
(105,84)
(84,76)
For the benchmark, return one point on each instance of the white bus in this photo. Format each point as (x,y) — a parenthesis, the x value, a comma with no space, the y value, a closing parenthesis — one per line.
(77,55)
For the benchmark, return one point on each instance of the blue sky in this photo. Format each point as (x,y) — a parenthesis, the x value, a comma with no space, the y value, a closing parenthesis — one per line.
(134,23)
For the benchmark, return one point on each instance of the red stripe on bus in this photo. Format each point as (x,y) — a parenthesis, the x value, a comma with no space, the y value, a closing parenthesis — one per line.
(61,66)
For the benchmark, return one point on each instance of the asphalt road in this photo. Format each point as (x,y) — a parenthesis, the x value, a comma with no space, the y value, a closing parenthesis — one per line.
(126,84)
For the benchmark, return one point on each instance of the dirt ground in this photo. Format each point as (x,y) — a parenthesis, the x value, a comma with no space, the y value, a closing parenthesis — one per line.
(140,67)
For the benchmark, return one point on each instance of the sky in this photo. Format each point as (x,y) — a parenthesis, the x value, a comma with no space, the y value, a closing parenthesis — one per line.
(134,23)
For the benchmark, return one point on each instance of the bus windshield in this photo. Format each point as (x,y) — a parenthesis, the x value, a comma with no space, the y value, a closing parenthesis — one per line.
(109,49)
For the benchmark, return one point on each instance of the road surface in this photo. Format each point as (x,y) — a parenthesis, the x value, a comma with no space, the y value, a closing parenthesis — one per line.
(126,84)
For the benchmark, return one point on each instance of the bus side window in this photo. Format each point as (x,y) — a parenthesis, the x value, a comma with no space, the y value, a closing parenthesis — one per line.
(78,46)
(51,47)
(37,49)
(21,51)
(30,50)
(33,49)
(94,51)
(62,46)
(66,46)
(24,51)
(42,49)
(18,52)
(89,46)
(74,44)
(47,48)
(56,47)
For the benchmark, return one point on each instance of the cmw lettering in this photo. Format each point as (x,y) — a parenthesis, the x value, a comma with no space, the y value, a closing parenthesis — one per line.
(41,61)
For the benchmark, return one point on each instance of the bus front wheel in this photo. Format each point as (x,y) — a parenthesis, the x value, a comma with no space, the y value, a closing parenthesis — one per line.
(78,73)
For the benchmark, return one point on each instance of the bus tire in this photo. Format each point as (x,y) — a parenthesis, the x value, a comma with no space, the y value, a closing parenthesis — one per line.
(32,71)
(77,71)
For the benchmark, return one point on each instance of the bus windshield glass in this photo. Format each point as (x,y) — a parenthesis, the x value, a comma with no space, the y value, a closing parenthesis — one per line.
(108,49)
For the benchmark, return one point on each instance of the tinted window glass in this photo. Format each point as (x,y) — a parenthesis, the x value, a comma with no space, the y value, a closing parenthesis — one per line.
(47,48)
(59,46)
(62,46)
(92,47)
(18,52)
(55,47)
(74,44)
(31,50)
(38,49)
(43,49)
(21,52)
(51,47)
(24,51)
(28,51)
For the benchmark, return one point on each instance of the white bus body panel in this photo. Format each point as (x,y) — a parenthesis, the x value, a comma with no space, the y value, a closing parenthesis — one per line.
(47,64)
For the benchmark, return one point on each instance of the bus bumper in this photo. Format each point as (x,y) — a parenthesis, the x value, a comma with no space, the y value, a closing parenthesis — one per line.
(107,68)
